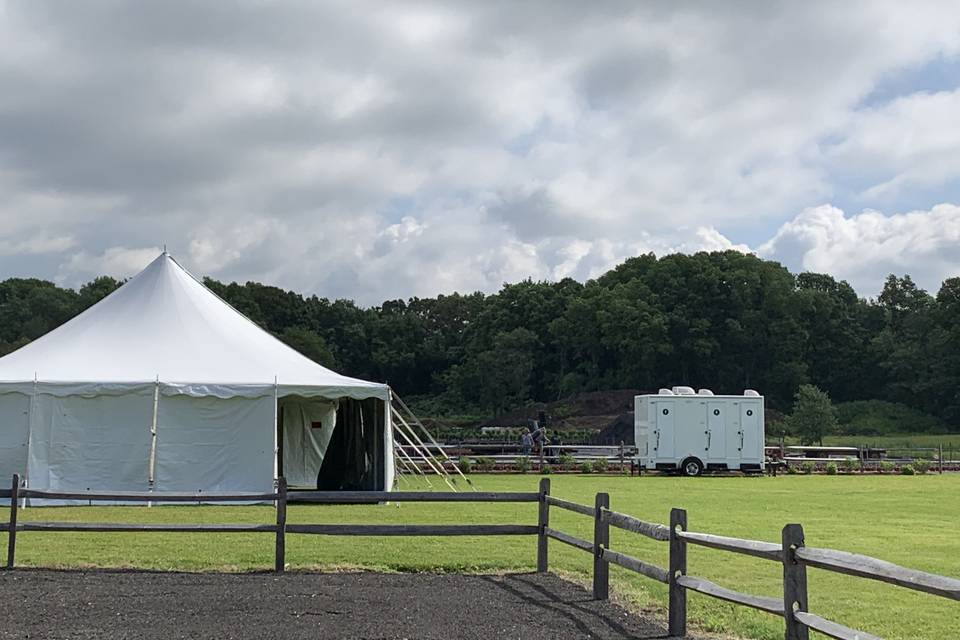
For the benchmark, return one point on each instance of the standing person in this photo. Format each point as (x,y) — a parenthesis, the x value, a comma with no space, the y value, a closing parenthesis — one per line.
(526,442)
(555,443)
(539,438)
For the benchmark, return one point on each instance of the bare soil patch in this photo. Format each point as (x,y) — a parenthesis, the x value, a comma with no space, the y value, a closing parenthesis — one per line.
(105,604)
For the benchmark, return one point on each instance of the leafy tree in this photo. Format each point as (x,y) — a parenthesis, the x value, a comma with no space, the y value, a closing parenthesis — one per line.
(813,416)
(722,320)
(96,290)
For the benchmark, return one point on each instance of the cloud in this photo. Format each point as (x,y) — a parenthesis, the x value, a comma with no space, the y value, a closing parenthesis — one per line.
(118,262)
(865,247)
(909,142)
(36,245)
(418,148)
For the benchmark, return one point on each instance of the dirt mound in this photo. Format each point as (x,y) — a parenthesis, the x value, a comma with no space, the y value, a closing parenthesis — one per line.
(620,430)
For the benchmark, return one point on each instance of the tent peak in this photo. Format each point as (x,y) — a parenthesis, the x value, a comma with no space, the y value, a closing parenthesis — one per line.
(165,324)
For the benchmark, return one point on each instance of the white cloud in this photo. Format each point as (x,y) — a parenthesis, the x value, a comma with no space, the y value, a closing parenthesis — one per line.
(909,142)
(118,262)
(865,247)
(36,245)
(419,148)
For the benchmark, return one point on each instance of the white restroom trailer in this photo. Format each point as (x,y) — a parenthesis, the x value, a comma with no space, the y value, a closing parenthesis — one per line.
(691,432)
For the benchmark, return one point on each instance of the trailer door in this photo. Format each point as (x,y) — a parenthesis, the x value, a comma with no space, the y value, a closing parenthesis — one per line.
(664,432)
(717,428)
(751,435)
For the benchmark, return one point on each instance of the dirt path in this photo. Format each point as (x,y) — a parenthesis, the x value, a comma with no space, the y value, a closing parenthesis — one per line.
(75,604)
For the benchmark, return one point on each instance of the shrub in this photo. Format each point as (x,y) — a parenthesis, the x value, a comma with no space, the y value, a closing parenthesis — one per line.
(567,461)
(485,463)
(808,466)
(886,467)
(523,464)
(586,467)
(465,464)
(921,466)
(906,470)
(792,470)
(832,469)
(600,465)
(849,465)
(546,470)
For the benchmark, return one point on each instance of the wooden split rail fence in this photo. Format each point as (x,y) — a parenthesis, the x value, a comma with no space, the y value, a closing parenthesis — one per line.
(16,494)
(791,552)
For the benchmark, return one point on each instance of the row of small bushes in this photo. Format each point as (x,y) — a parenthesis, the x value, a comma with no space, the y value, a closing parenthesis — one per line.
(808,467)
(597,466)
(523,465)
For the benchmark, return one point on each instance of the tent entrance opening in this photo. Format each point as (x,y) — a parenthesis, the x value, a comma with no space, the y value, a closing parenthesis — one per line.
(331,445)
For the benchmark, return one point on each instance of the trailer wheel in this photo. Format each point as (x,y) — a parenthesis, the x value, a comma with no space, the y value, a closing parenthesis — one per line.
(691,467)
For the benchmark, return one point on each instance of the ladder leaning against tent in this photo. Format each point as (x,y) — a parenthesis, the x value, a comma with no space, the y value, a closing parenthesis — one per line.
(413,456)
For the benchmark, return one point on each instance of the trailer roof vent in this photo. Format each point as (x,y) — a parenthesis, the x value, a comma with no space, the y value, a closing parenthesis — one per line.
(665,392)
(705,392)
(751,393)
(684,391)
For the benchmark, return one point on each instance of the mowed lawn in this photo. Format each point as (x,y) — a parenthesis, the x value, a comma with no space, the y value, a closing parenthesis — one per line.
(913,521)
(949,442)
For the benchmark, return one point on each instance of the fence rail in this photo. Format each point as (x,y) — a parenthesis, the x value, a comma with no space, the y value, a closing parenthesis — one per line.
(755,548)
(126,496)
(571,506)
(657,532)
(791,552)
(415,529)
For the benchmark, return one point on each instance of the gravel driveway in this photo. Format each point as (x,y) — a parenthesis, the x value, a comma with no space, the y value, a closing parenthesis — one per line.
(104,604)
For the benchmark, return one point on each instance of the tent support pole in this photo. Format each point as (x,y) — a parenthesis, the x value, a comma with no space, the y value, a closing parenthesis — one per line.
(30,410)
(152,465)
(276,430)
(414,419)
(402,469)
(412,465)
(409,463)
(423,449)
(426,458)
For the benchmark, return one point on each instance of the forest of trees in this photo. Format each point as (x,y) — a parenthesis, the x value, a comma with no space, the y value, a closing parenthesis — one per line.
(723,320)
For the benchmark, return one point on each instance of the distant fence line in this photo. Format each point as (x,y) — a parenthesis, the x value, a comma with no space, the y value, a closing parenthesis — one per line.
(791,552)
(623,456)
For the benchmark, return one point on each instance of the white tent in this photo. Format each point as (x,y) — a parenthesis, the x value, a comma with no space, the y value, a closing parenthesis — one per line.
(162,385)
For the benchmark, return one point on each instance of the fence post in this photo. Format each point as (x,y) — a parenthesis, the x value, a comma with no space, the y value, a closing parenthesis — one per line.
(601,540)
(621,458)
(794,583)
(678,567)
(12,531)
(543,521)
(940,456)
(281,548)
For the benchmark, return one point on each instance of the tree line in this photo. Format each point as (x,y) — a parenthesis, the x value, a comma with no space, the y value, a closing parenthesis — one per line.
(722,320)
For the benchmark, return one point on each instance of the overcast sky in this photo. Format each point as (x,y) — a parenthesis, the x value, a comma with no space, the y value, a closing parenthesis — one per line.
(379,150)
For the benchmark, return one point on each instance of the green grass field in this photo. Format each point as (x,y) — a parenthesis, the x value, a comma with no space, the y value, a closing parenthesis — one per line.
(893,441)
(912,521)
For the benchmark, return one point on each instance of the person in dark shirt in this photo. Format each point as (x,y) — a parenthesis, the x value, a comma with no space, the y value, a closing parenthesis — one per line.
(538,439)
(555,443)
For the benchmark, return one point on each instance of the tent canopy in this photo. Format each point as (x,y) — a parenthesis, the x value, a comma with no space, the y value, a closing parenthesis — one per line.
(165,326)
